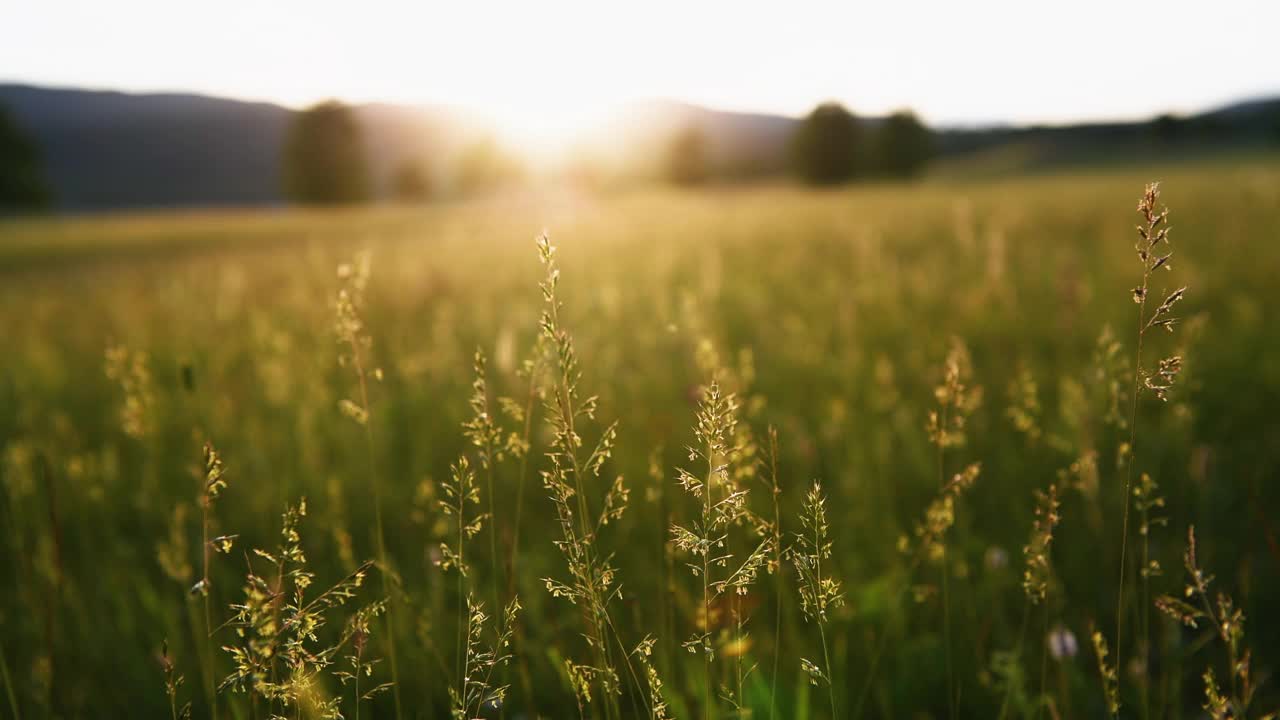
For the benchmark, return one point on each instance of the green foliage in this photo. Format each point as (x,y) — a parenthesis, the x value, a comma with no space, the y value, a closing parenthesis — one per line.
(903,145)
(828,147)
(22,185)
(324,157)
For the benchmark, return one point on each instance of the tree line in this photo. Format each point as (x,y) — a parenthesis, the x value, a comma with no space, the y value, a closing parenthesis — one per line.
(324,161)
(829,146)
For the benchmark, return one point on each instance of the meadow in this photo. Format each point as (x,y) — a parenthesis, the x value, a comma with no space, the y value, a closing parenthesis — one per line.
(953,362)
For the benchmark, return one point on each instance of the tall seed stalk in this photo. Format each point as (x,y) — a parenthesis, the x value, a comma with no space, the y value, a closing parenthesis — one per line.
(351,333)
(819,592)
(476,662)
(593,580)
(946,429)
(1036,575)
(1227,623)
(485,434)
(775,494)
(212,483)
(722,505)
(1153,231)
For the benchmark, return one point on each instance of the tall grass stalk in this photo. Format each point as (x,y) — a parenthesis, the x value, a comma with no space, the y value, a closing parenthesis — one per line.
(351,333)
(476,662)
(1153,231)
(593,581)
(819,593)
(485,434)
(775,494)
(1227,623)
(531,371)
(723,506)
(1036,577)
(946,427)
(212,482)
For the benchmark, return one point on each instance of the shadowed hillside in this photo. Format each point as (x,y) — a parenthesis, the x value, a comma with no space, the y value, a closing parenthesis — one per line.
(110,150)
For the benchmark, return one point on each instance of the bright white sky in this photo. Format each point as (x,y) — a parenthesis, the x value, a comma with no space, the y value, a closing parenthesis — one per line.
(550,63)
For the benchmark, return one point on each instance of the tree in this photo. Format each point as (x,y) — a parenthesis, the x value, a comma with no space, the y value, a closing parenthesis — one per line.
(903,145)
(827,146)
(686,157)
(22,185)
(1167,128)
(412,182)
(324,161)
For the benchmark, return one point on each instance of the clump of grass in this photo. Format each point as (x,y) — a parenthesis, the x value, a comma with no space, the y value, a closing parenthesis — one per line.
(723,505)
(657,703)
(1035,586)
(1227,621)
(476,687)
(476,662)
(173,680)
(1035,579)
(593,581)
(280,658)
(820,592)
(1154,252)
(358,631)
(460,492)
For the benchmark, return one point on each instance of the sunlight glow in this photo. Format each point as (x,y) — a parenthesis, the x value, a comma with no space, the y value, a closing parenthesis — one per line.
(545,67)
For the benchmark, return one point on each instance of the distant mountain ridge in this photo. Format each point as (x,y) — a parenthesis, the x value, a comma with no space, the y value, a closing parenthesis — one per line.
(112,150)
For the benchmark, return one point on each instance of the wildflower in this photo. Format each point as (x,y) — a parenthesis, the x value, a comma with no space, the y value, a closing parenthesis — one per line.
(1062,643)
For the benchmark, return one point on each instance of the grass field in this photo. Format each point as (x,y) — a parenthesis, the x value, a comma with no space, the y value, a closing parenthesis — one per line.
(830,315)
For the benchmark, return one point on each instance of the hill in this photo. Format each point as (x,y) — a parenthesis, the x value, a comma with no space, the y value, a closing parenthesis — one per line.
(111,150)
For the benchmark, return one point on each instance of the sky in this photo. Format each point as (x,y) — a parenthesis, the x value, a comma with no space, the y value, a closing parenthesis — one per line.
(555,63)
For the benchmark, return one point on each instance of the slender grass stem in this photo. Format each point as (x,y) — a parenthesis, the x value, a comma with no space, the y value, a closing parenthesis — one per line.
(706,580)
(777,555)
(826,658)
(207,643)
(946,590)
(8,687)
(1128,478)
(383,564)
(1144,602)
(1043,699)
(521,477)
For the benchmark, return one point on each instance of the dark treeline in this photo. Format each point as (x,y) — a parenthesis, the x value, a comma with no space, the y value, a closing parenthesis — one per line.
(832,145)
(325,162)
(22,183)
(89,150)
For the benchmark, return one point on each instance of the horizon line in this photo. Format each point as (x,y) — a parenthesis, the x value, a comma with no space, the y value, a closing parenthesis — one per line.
(466,110)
